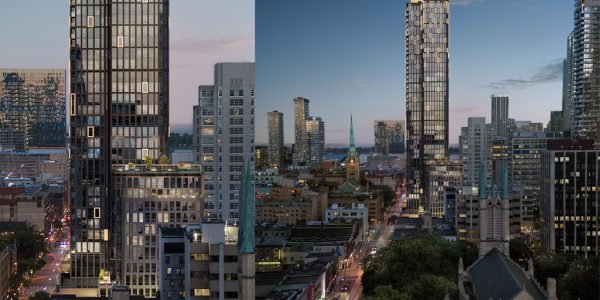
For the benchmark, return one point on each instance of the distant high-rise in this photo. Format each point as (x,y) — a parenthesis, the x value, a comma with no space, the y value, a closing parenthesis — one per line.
(525,153)
(301,144)
(586,70)
(275,138)
(32,109)
(500,116)
(389,136)
(567,97)
(315,131)
(119,114)
(475,149)
(555,124)
(427,62)
(224,136)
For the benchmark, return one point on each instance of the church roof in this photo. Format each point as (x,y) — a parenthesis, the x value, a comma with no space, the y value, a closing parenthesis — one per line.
(496,276)
(349,186)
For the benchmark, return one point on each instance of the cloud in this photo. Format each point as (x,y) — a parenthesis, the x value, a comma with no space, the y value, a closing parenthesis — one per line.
(353,82)
(211,47)
(547,73)
(466,2)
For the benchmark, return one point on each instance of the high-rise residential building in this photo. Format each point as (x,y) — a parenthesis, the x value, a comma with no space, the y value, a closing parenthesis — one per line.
(555,124)
(585,70)
(389,136)
(427,84)
(301,143)
(275,126)
(475,143)
(150,197)
(525,162)
(224,136)
(500,116)
(570,197)
(567,97)
(315,131)
(119,114)
(32,109)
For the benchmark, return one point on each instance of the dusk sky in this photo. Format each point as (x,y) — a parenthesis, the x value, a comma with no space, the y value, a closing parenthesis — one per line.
(203,32)
(346,56)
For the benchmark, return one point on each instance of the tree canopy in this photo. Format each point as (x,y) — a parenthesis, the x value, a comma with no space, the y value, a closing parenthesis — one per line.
(418,267)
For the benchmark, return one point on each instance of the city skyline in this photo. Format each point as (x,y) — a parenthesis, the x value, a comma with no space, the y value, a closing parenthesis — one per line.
(358,49)
(193,52)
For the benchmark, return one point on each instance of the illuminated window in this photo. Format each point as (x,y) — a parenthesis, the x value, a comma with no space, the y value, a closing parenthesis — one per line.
(73,104)
(90,21)
(202,292)
(144,87)
(120,41)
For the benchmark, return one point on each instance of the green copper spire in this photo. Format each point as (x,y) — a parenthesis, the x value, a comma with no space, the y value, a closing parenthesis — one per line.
(504,178)
(351,150)
(246,240)
(482,182)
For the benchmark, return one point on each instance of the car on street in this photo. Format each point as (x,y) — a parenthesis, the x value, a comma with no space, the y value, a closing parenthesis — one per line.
(345,288)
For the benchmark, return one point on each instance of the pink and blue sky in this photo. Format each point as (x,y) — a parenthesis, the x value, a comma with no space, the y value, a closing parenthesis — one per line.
(347,56)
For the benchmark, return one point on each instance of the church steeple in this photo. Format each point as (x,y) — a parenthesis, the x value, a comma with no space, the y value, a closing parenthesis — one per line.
(246,239)
(352,164)
(351,149)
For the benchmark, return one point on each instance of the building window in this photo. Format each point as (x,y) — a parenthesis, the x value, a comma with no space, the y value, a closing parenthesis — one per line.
(90,131)
(202,292)
(90,21)
(120,41)
(144,87)
(96,212)
(73,104)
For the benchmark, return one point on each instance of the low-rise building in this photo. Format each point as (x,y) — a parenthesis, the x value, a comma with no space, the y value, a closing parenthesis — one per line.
(339,214)
(31,205)
(199,261)
(8,267)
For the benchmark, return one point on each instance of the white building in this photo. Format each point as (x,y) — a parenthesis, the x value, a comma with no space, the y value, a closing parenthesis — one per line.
(475,148)
(337,213)
(224,135)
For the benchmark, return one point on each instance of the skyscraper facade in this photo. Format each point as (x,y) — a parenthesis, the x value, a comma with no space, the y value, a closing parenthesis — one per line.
(275,127)
(475,143)
(301,144)
(224,136)
(32,109)
(525,162)
(500,116)
(570,197)
(315,131)
(555,125)
(427,61)
(149,198)
(586,70)
(119,113)
(567,97)
(389,136)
